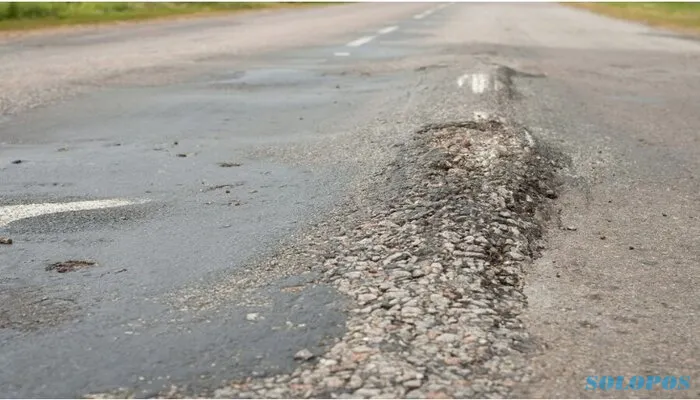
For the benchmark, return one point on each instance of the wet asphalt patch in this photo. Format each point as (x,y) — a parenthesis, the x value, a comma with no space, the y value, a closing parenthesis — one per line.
(29,308)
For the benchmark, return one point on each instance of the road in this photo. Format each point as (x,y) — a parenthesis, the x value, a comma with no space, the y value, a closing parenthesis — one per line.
(258,211)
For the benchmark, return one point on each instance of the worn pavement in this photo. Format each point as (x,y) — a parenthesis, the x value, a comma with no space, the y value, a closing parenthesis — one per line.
(367,200)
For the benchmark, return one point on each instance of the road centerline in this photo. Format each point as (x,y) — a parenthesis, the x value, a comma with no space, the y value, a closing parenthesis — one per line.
(359,42)
(388,29)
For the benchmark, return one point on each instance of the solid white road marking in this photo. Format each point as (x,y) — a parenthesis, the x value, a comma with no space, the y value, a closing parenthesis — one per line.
(341,54)
(388,29)
(419,16)
(13,213)
(359,42)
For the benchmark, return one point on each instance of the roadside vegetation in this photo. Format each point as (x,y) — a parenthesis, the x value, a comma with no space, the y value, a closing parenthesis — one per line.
(25,15)
(679,16)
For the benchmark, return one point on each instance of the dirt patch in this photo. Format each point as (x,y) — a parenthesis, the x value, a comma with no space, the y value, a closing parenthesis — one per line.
(229,164)
(219,187)
(70,266)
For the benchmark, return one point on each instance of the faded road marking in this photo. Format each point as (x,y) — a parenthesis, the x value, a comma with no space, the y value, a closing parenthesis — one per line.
(341,54)
(479,82)
(388,29)
(13,213)
(359,42)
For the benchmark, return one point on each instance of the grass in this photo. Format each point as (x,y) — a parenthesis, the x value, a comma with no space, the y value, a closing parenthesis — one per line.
(679,16)
(25,15)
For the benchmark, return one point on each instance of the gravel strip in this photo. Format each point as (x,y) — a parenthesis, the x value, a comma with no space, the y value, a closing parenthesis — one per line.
(435,273)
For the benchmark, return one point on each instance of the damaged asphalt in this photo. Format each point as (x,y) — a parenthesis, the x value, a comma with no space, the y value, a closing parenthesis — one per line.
(405,202)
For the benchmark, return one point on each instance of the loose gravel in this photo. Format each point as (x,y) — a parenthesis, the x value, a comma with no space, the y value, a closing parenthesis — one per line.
(435,273)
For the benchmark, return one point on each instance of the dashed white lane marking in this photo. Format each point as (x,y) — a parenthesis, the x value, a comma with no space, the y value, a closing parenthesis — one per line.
(13,213)
(388,29)
(341,54)
(359,42)
(426,13)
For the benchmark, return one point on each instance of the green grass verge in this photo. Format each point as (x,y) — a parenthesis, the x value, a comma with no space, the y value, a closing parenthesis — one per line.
(23,15)
(679,16)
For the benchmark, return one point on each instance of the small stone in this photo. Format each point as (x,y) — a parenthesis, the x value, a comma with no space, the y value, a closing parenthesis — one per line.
(328,362)
(304,355)
(358,357)
(367,297)
(225,393)
(415,394)
(447,338)
(362,349)
(398,274)
(334,382)
(411,311)
(394,257)
(436,267)
(453,361)
(355,382)
(366,392)
(252,316)
(413,384)
(17,162)
(571,228)
(5,240)
(353,275)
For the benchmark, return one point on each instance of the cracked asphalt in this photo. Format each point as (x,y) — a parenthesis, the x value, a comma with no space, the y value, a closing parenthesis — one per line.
(359,201)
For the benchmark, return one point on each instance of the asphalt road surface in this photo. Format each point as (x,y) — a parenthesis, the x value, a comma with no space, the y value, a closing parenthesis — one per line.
(216,180)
